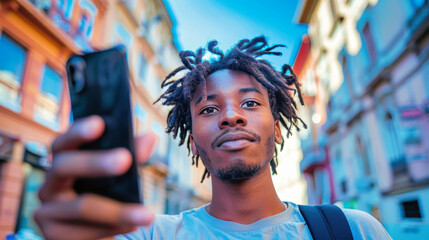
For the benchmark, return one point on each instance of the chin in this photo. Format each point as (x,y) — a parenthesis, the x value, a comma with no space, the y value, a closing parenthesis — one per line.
(238,172)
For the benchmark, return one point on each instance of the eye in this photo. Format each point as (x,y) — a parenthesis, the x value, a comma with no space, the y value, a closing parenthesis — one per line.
(250,104)
(208,110)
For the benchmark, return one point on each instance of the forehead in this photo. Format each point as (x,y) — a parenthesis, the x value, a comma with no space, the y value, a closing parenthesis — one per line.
(225,80)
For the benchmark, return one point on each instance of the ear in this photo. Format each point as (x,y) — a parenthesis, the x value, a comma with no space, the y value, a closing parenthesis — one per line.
(278,132)
(193,147)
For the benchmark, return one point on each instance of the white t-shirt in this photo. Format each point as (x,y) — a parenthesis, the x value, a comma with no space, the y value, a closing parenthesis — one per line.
(289,224)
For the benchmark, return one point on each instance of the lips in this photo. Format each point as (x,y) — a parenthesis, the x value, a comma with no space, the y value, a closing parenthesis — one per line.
(234,137)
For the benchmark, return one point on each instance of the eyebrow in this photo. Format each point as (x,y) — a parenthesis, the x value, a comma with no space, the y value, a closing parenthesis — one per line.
(241,90)
(209,97)
(246,90)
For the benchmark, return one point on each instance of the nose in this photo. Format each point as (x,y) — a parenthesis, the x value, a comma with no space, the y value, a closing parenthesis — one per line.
(232,117)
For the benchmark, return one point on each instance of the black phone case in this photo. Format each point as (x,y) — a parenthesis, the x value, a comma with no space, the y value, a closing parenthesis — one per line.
(99,85)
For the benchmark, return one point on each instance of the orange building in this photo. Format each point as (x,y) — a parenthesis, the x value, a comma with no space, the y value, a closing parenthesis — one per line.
(34,104)
(36,39)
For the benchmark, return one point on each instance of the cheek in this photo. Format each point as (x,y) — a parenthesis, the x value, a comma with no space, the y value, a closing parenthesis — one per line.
(267,129)
(203,154)
(270,146)
(204,128)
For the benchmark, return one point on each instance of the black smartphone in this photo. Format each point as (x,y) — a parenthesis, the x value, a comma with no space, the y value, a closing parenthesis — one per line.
(99,85)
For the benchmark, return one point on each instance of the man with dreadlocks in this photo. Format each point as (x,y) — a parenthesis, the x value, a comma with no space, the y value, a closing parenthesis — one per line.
(229,110)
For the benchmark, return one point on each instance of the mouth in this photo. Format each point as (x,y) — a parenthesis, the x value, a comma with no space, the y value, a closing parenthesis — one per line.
(234,141)
(235,144)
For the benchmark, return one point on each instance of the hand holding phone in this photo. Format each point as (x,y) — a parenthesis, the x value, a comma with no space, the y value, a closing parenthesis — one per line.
(99,85)
(63,214)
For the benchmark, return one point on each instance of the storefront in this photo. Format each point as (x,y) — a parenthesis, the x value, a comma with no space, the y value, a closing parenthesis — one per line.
(35,163)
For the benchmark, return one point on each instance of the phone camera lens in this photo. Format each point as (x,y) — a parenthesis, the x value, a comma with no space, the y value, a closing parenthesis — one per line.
(77,77)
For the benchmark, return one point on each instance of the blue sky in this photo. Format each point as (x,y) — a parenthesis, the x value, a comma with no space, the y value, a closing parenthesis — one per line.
(199,21)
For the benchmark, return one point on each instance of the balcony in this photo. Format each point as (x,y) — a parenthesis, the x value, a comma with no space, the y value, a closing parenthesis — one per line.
(353,113)
(37,14)
(401,178)
(313,159)
(333,121)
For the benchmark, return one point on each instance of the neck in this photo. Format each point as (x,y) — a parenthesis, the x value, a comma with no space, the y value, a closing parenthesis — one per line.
(245,202)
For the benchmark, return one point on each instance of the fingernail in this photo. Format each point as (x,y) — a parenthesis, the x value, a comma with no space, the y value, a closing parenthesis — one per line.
(113,161)
(140,216)
(89,126)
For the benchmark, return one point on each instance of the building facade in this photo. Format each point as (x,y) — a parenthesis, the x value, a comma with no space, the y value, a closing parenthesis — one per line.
(370,72)
(36,39)
(315,163)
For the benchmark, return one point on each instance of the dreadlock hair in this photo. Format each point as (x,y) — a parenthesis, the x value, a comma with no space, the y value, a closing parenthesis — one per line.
(244,56)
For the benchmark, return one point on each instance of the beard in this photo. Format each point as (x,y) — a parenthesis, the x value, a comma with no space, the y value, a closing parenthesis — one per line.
(238,172)
(241,171)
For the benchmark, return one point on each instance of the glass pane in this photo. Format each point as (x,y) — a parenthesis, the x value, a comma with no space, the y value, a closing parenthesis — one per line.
(48,101)
(66,6)
(51,84)
(11,71)
(142,67)
(140,112)
(13,64)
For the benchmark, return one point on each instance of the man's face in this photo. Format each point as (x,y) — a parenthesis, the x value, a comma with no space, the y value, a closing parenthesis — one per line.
(233,131)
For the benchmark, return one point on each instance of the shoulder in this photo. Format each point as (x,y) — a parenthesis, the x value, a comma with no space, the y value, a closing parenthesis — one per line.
(163,226)
(365,226)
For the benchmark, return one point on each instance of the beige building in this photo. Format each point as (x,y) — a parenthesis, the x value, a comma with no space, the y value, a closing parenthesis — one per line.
(371,65)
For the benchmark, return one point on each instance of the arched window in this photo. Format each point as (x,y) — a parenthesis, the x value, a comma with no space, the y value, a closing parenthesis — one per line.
(363,154)
(394,147)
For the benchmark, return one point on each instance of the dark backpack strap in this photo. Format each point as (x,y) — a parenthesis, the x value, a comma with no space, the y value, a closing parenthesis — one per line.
(326,222)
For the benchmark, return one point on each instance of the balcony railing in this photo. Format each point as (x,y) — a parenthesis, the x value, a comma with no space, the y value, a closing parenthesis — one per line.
(313,158)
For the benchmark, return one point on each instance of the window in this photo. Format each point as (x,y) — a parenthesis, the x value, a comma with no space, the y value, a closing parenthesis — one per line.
(362,154)
(63,14)
(412,135)
(85,25)
(140,112)
(411,209)
(344,186)
(141,118)
(124,36)
(369,43)
(152,82)
(161,150)
(347,75)
(51,84)
(142,68)
(86,22)
(394,146)
(11,71)
(48,101)
(65,7)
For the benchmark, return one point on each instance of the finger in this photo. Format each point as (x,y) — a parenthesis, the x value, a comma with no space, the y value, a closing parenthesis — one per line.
(145,146)
(80,164)
(95,209)
(77,164)
(61,190)
(53,230)
(82,131)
